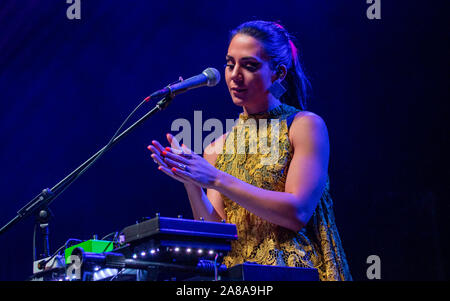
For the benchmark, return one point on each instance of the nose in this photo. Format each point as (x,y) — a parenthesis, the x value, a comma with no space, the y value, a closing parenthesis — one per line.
(236,74)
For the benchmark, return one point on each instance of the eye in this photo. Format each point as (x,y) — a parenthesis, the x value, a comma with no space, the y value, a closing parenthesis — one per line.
(229,65)
(251,67)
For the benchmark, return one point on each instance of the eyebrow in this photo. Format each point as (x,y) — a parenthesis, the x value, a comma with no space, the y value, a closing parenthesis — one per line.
(229,57)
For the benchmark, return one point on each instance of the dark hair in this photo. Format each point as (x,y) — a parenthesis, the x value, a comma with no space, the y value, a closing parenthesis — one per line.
(279,46)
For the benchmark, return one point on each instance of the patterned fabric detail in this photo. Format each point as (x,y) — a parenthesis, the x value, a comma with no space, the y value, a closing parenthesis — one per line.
(245,156)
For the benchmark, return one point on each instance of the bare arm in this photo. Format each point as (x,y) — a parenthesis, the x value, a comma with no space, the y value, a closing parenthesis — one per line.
(305,180)
(210,205)
(201,205)
(304,184)
(292,208)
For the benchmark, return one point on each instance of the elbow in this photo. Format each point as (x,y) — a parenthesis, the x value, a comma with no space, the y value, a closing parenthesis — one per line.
(299,223)
(295,222)
(296,226)
(302,213)
(300,219)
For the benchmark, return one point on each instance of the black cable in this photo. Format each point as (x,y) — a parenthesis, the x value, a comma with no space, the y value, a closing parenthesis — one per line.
(44,262)
(113,240)
(118,274)
(107,235)
(216,270)
(34,243)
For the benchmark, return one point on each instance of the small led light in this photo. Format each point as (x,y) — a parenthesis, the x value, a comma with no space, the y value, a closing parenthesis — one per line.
(176,249)
(188,250)
(211,252)
(152,251)
(200,251)
(134,256)
(96,268)
(143,254)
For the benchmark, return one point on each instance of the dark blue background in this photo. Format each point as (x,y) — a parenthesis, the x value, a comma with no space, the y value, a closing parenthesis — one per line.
(380,85)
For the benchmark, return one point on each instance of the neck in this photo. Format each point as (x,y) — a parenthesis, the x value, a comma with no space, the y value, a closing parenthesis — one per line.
(271,103)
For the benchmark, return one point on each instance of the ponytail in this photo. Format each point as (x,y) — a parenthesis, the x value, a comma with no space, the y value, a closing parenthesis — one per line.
(295,82)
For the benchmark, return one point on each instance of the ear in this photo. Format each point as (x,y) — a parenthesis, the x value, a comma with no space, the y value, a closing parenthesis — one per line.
(279,73)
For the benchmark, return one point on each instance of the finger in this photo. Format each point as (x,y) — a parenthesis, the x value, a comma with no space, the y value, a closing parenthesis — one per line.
(186,155)
(181,173)
(174,157)
(173,150)
(154,150)
(169,172)
(171,163)
(158,160)
(158,146)
(173,141)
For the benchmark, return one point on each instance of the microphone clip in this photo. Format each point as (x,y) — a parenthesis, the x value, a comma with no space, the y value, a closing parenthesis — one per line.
(165,101)
(166,92)
(169,86)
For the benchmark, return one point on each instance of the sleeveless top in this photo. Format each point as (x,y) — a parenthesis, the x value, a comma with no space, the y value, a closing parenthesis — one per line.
(248,154)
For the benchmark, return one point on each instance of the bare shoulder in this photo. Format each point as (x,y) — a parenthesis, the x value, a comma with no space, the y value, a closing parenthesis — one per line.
(212,150)
(308,126)
(307,118)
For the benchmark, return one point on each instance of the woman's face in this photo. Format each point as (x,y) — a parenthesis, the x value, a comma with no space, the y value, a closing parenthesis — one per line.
(248,74)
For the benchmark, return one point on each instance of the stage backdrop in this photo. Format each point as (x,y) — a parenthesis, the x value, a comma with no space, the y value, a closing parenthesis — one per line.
(68,78)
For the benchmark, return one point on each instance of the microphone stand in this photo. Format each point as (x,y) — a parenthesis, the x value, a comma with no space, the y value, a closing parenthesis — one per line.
(40,203)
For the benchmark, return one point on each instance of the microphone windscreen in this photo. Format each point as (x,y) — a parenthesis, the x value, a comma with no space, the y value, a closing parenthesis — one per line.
(213,76)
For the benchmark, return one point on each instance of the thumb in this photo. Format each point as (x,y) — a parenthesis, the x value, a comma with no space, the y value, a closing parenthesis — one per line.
(173,141)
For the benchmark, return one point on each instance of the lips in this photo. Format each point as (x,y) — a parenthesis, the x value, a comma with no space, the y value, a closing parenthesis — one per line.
(238,90)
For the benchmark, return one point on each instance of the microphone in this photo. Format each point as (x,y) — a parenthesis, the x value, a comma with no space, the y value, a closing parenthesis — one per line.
(210,77)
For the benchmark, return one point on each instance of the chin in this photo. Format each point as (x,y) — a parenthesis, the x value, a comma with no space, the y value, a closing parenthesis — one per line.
(238,101)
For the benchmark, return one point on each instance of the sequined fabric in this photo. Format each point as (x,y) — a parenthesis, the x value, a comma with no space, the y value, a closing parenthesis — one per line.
(248,154)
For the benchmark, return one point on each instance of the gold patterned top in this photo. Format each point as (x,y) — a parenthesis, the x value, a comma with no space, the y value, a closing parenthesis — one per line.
(257,150)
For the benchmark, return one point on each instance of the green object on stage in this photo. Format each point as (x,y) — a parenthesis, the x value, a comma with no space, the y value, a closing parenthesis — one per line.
(91,245)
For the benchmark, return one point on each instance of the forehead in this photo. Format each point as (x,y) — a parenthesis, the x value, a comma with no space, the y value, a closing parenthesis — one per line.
(246,46)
